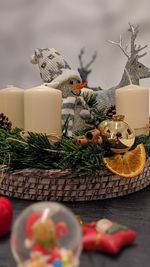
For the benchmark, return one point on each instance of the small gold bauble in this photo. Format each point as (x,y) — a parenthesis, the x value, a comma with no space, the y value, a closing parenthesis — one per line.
(102,125)
(118,133)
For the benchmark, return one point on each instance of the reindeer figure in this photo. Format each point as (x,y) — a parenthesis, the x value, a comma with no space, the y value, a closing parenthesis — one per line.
(84,70)
(133,70)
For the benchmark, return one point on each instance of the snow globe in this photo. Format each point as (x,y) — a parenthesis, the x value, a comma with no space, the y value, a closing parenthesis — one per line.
(46,234)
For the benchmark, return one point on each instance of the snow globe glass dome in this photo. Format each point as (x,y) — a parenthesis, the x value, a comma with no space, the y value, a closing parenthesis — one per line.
(46,234)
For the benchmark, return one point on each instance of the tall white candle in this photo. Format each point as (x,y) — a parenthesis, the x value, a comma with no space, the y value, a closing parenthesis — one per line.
(132,101)
(42,110)
(12,105)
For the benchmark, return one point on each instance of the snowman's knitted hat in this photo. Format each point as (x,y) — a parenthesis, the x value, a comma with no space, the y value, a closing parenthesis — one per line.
(53,68)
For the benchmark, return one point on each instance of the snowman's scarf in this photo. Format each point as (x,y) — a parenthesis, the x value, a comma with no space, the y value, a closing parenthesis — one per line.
(68,109)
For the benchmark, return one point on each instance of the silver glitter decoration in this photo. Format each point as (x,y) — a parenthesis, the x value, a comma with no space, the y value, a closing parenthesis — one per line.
(136,70)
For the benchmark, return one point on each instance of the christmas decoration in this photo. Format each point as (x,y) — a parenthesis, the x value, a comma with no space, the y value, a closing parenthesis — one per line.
(136,70)
(12,105)
(110,112)
(46,234)
(91,137)
(42,110)
(56,72)
(84,69)
(102,125)
(128,165)
(5,123)
(79,219)
(93,147)
(66,167)
(106,236)
(118,134)
(133,102)
(35,150)
(91,114)
(6,215)
(19,151)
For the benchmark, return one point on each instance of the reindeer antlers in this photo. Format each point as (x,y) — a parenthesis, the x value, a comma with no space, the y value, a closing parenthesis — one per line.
(123,48)
(134,48)
(91,61)
(134,30)
(80,57)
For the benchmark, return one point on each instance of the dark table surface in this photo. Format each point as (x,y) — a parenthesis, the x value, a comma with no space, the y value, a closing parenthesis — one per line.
(132,210)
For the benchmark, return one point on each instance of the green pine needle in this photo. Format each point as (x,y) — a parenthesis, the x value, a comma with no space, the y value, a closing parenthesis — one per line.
(19,151)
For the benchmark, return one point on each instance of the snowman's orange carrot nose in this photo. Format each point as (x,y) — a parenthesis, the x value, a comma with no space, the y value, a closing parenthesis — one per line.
(80,86)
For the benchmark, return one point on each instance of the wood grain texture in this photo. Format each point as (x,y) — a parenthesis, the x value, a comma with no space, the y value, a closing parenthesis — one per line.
(132,210)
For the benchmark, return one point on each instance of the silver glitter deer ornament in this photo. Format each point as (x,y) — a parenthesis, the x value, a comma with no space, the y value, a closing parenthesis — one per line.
(133,69)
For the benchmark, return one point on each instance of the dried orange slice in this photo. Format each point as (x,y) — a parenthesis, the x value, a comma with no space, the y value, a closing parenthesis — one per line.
(129,164)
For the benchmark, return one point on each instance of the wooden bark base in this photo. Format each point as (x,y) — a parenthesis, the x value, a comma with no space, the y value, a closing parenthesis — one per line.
(57,185)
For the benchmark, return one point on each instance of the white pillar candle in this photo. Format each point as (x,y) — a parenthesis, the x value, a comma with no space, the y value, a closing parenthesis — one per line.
(132,101)
(42,110)
(12,105)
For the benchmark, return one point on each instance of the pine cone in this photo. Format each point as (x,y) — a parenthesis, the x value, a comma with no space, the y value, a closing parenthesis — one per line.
(5,123)
(110,112)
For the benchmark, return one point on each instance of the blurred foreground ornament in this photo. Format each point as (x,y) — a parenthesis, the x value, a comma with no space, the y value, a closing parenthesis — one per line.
(6,215)
(106,236)
(46,234)
(118,134)
(79,219)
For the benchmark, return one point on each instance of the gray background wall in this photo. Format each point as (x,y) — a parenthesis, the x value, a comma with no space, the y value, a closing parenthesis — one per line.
(68,25)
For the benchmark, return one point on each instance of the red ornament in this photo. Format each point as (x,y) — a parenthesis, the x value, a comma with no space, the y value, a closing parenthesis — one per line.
(30,222)
(43,235)
(106,236)
(6,215)
(61,229)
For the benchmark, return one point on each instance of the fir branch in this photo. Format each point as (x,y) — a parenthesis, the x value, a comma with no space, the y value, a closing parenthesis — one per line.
(82,131)
(66,125)
(81,159)
(37,151)
(90,99)
(97,115)
(143,139)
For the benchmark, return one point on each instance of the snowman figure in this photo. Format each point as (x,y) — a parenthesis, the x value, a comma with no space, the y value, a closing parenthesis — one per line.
(56,73)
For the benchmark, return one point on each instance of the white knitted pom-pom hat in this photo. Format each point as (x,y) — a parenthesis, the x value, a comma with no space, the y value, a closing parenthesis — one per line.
(53,68)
